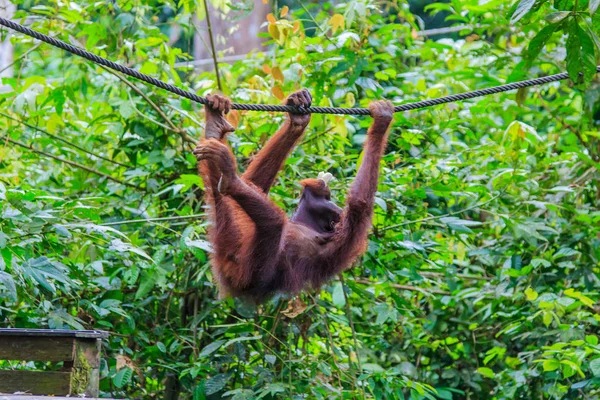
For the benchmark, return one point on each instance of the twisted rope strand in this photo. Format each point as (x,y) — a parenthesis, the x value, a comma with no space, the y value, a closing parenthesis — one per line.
(276,108)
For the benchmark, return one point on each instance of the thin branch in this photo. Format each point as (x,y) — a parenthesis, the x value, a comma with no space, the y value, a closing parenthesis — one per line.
(555,115)
(22,56)
(37,129)
(224,59)
(354,339)
(212,46)
(141,114)
(319,26)
(186,114)
(583,176)
(156,108)
(440,216)
(552,113)
(330,338)
(277,319)
(181,132)
(74,164)
(239,57)
(404,287)
(142,94)
(199,30)
(316,136)
(449,29)
(461,276)
(137,221)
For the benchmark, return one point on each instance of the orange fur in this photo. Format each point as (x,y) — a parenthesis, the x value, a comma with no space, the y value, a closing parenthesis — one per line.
(258,250)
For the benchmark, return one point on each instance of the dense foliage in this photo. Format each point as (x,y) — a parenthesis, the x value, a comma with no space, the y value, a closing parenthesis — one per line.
(482,274)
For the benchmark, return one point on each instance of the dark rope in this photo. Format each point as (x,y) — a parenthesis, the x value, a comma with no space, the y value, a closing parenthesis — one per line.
(265,107)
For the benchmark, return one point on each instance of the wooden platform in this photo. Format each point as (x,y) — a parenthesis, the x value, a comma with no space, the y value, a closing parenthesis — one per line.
(27,397)
(53,333)
(77,351)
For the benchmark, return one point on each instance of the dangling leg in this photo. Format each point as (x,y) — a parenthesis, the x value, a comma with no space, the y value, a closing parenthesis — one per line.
(260,247)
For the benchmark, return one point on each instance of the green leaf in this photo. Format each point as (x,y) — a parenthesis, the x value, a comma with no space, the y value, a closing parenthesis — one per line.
(272,389)
(199,391)
(531,294)
(459,225)
(216,383)
(581,53)
(558,16)
(373,368)
(120,246)
(574,367)
(126,109)
(567,371)
(385,312)
(270,358)
(551,365)
(39,278)
(211,348)
(580,384)
(547,318)
(536,262)
(522,9)
(521,96)
(62,231)
(122,377)
(337,296)
(594,6)
(241,394)
(588,49)
(149,278)
(539,41)
(8,288)
(199,244)
(161,347)
(242,339)
(324,368)
(565,252)
(591,339)
(188,180)
(444,394)
(487,372)
(595,366)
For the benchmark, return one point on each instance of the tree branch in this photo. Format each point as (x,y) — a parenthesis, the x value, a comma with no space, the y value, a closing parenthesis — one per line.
(74,164)
(330,338)
(37,129)
(152,104)
(461,276)
(559,119)
(354,339)
(136,221)
(16,60)
(440,216)
(212,46)
(404,287)
(317,24)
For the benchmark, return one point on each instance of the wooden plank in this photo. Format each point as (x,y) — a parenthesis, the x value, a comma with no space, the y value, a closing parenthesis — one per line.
(53,333)
(27,397)
(35,382)
(36,348)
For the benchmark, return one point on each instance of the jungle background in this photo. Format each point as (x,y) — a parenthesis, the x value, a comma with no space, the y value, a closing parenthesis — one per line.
(481,279)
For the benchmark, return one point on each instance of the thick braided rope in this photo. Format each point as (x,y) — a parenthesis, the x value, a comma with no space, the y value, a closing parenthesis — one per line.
(265,107)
